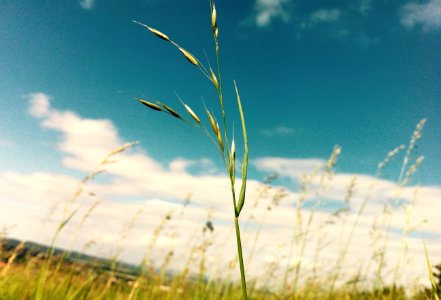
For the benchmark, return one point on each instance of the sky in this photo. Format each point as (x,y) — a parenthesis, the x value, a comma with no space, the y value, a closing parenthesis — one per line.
(311,74)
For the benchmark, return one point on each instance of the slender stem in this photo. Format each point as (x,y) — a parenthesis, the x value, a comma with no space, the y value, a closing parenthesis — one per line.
(239,251)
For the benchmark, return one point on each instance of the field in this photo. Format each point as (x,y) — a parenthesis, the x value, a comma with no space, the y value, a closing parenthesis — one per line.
(34,271)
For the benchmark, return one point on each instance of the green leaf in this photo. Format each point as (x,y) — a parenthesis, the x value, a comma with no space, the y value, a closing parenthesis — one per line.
(245,157)
(432,280)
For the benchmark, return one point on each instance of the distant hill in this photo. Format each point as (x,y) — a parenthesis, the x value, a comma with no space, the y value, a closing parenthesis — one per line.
(32,249)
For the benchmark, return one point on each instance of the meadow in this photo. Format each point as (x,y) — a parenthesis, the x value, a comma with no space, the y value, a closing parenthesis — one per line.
(375,219)
(32,271)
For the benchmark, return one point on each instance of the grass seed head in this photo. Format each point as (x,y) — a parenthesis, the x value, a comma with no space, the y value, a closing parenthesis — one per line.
(159,34)
(188,56)
(213,124)
(232,159)
(219,138)
(388,158)
(156,32)
(333,159)
(413,168)
(214,79)
(170,110)
(213,17)
(192,114)
(233,150)
(122,148)
(150,104)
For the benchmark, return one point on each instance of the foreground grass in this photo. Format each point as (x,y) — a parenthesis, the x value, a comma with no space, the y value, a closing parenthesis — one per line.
(81,282)
(75,282)
(68,280)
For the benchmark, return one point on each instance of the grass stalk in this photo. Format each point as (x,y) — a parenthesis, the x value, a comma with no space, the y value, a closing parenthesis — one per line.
(220,139)
(239,252)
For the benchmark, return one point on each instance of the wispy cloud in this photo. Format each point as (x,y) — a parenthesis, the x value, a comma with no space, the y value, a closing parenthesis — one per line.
(338,23)
(325,15)
(428,15)
(365,6)
(39,105)
(358,37)
(266,11)
(321,16)
(87,4)
(277,131)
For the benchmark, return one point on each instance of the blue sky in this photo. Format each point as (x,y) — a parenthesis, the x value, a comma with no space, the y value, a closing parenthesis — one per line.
(312,74)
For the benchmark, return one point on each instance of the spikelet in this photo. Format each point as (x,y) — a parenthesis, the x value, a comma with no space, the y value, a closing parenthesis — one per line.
(149,104)
(213,124)
(333,159)
(219,138)
(191,113)
(170,110)
(213,17)
(159,34)
(416,136)
(413,168)
(232,159)
(214,79)
(156,32)
(388,158)
(122,148)
(233,150)
(188,56)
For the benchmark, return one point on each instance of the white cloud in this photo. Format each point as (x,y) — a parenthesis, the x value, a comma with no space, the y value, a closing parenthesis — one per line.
(336,24)
(365,6)
(87,4)
(428,15)
(325,15)
(266,11)
(277,131)
(321,16)
(85,142)
(39,105)
(34,202)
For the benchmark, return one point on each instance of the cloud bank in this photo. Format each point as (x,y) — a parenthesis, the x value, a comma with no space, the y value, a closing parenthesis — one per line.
(139,188)
(267,11)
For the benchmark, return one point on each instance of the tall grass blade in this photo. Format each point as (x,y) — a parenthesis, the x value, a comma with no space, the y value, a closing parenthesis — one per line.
(432,280)
(245,157)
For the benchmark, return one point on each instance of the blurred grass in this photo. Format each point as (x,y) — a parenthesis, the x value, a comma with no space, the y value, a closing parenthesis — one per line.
(74,281)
